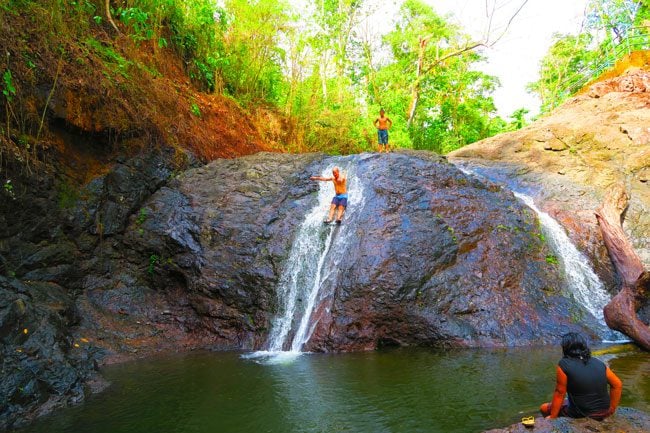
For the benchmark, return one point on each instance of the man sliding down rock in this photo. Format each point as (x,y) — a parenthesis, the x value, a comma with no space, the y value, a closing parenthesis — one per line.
(340,200)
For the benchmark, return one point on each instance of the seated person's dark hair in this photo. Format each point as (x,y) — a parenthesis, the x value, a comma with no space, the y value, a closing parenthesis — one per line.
(574,345)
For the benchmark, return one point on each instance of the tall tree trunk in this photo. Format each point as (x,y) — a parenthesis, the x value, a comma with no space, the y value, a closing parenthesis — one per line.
(620,313)
(415,88)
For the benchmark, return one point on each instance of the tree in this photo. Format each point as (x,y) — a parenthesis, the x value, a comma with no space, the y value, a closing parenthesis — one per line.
(621,312)
(109,17)
(434,42)
(253,71)
(518,118)
(611,30)
(568,57)
(443,107)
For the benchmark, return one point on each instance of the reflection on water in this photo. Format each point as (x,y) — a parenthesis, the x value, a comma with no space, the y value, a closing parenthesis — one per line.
(395,391)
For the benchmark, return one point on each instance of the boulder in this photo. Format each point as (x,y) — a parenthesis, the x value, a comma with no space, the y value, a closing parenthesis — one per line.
(606,131)
(43,366)
(431,257)
(625,419)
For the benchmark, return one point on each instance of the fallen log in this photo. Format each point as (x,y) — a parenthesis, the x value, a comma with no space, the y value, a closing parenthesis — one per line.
(621,312)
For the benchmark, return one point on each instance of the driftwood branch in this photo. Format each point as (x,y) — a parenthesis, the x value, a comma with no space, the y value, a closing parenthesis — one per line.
(620,313)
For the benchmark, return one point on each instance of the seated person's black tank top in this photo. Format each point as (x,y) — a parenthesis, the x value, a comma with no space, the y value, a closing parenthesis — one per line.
(586,386)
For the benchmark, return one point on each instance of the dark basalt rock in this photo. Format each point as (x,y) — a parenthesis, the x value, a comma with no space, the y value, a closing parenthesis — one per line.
(436,258)
(625,419)
(42,367)
(141,262)
(52,243)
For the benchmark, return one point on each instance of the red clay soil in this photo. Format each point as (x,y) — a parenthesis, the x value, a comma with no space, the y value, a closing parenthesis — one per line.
(140,101)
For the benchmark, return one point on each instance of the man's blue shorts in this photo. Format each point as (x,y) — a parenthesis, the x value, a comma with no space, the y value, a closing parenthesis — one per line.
(382,135)
(340,200)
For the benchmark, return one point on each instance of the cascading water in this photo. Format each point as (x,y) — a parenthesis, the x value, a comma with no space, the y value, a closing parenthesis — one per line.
(583,283)
(304,273)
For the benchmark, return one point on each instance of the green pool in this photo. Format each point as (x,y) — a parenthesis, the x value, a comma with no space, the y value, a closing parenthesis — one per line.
(414,390)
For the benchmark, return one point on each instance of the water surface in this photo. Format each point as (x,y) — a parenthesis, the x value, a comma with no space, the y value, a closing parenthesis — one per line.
(415,390)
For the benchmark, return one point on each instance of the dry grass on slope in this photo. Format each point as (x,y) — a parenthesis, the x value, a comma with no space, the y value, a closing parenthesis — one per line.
(105,88)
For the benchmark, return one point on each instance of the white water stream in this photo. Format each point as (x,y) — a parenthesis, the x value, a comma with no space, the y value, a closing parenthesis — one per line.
(308,266)
(583,283)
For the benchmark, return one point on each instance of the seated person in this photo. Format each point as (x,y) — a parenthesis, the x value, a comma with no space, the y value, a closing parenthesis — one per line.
(585,381)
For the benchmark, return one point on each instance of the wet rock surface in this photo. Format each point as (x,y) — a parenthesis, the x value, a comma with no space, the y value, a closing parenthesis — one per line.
(435,257)
(569,159)
(142,260)
(625,419)
(54,241)
(42,366)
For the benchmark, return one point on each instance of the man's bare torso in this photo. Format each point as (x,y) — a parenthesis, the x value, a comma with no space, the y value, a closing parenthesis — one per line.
(340,184)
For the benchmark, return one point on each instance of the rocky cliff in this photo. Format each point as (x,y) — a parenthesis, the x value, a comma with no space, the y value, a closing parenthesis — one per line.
(143,260)
(435,257)
(571,157)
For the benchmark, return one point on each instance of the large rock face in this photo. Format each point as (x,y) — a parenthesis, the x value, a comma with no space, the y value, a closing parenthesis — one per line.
(42,367)
(429,256)
(571,157)
(142,261)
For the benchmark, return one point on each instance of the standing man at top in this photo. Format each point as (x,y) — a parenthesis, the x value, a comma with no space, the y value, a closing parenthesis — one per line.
(383,123)
(340,200)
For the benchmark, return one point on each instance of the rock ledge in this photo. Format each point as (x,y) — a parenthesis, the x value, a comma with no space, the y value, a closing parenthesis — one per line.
(626,420)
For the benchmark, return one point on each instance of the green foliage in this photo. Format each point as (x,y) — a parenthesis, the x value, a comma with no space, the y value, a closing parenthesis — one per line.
(552,260)
(8,89)
(194,108)
(518,119)
(197,34)
(153,261)
(8,189)
(139,21)
(252,64)
(316,65)
(67,196)
(569,55)
(142,216)
(450,229)
(452,101)
(114,61)
(613,29)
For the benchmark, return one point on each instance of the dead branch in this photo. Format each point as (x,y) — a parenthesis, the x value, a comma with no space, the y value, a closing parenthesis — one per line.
(620,313)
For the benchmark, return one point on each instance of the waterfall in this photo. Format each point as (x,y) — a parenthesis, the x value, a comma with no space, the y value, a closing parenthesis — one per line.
(583,283)
(304,271)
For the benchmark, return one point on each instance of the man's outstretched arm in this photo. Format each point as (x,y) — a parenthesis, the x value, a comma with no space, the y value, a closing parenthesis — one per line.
(321,178)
